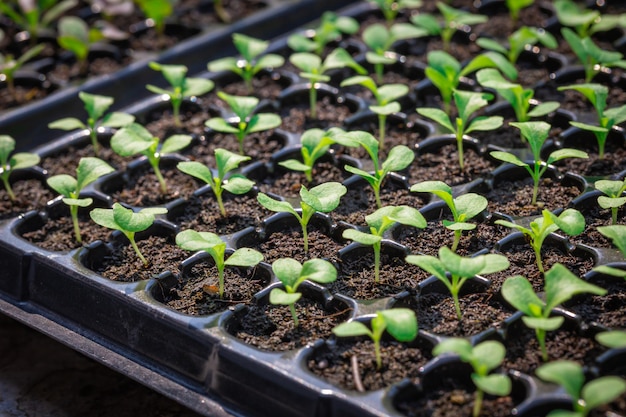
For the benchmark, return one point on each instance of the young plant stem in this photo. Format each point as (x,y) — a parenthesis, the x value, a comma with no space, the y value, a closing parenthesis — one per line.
(241,135)
(457,240)
(457,305)
(379,360)
(220,279)
(131,238)
(379,204)
(292,308)
(478,402)
(154,162)
(459,145)
(7,186)
(93,134)
(74,215)
(313,101)
(382,121)
(541,338)
(614,214)
(305,235)
(379,70)
(220,202)
(176,103)
(537,249)
(376,247)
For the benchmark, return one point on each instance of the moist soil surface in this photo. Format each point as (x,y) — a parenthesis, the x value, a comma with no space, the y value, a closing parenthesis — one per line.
(57,234)
(296,116)
(30,194)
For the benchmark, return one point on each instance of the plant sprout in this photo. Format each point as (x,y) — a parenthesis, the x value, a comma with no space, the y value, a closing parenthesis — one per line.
(33,16)
(252,59)
(463,207)
(158,11)
(135,139)
(536,134)
(391,8)
(515,6)
(291,274)
(314,69)
(597,95)
(467,103)
(570,221)
(399,158)
(613,198)
(182,86)
(586,21)
(247,121)
(323,198)
(89,169)
(400,323)
(226,161)
(9,65)
(127,221)
(483,358)
(216,247)
(379,222)
(560,286)
(585,397)
(617,234)
(75,36)
(385,97)
(518,41)
(454,270)
(591,56)
(10,161)
(330,29)
(96,106)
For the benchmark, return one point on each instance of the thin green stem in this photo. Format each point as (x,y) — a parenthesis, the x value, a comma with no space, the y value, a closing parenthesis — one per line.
(131,238)
(379,360)
(93,134)
(478,402)
(154,161)
(220,202)
(292,308)
(7,186)
(459,145)
(379,204)
(537,250)
(457,239)
(541,338)
(614,214)
(379,70)
(535,189)
(601,138)
(220,278)
(377,246)
(74,215)
(306,237)
(455,297)
(176,103)
(313,101)
(382,121)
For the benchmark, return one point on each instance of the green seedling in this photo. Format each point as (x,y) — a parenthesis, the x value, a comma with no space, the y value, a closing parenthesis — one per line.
(585,397)
(96,107)
(127,221)
(330,29)
(78,38)
(314,70)
(158,11)
(9,65)
(135,139)
(400,323)
(591,56)
(89,169)
(10,161)
(111,8)
(536,134)
(379,40)
(597,95)
(226,161)
(613,198)
(617,234)
(463,208)
(252,59)
(379,222)
(467,103)
(315,143)
(585,21)
(247,121)
(391,8)
(518,42)
(182,86)
(454,270)
(570,222)
(613,339)
(399,158)
(291,273)
(518,97)
(515,6)
(33,16)
(560,286)
(385,97)
(445,72)
(220,11)
(323,198)
(216,247)
(483,358)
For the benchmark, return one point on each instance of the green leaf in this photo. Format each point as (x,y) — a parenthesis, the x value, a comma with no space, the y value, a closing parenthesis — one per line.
(542,323)
(117,119)
(197,241)
(460,266)
(275,205)
(23,160)
(131,140)
(249,47)
(401,323)
(614,339)
(220,125)
(197,170)
(63,184)
(617,234)
(389,92)
(489,355)
(561,285)
(399,157)
(223,64)
(306,62)
(566,153)
(244,257)
(238,184)
(174,74)
(175,143)
(318,270)
(351,329)
(566,374)
(280,297)
(518,292)
(265,121)
(544,108)
(571,221)
(429,264)
(496,384)
(508,157)
(602,391)
(130,221)
(80,202)
(288,271)
(485,123)
(90,169)
(95,105)
(387,109)
(361,237)
(461,347)
(294,165)
(67,123)
(438,116)
(197,87)
(324,197)
(470,205)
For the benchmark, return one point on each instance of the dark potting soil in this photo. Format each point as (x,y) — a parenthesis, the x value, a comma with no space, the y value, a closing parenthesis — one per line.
(66,72)
(289,183)
(509,137)
(149,40)
(29,195)
(608,310)
(200,14)
(574,101)
(614,161)
(22,95)
(271,327)
(67,160)
(58,234)
(161,123)
(594,217)
(333,363)
(296,117)
(258,146)
(264,86)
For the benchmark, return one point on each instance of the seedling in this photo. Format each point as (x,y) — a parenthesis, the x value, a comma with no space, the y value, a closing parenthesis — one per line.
(399,157)
(323,198)
(613,339)
(379,39)
(75,36)
(331,27)
(10,161)
(9,65)
(454,270)
(519,41)
(220,11)
(590,55)
(445,72)
(483,358)
(463,208)
(586,21)
(518,97)
(570,221)
(226,161)
(453,20)
(400,323)
(314,144)
(158,11)
(110,8)
(135,139)
(252,59)
(385,96)
(247,121)
(617,234)
(560,286)
(96,106)
(467,103)
(515,6)
(33,16)
(127,221)
(89,169)
(182,86)
(291,273)
(585,397)
(536,134)
(613,198)
(597,95)
(216,247)
(379,222)
(314,69)
(391,8)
